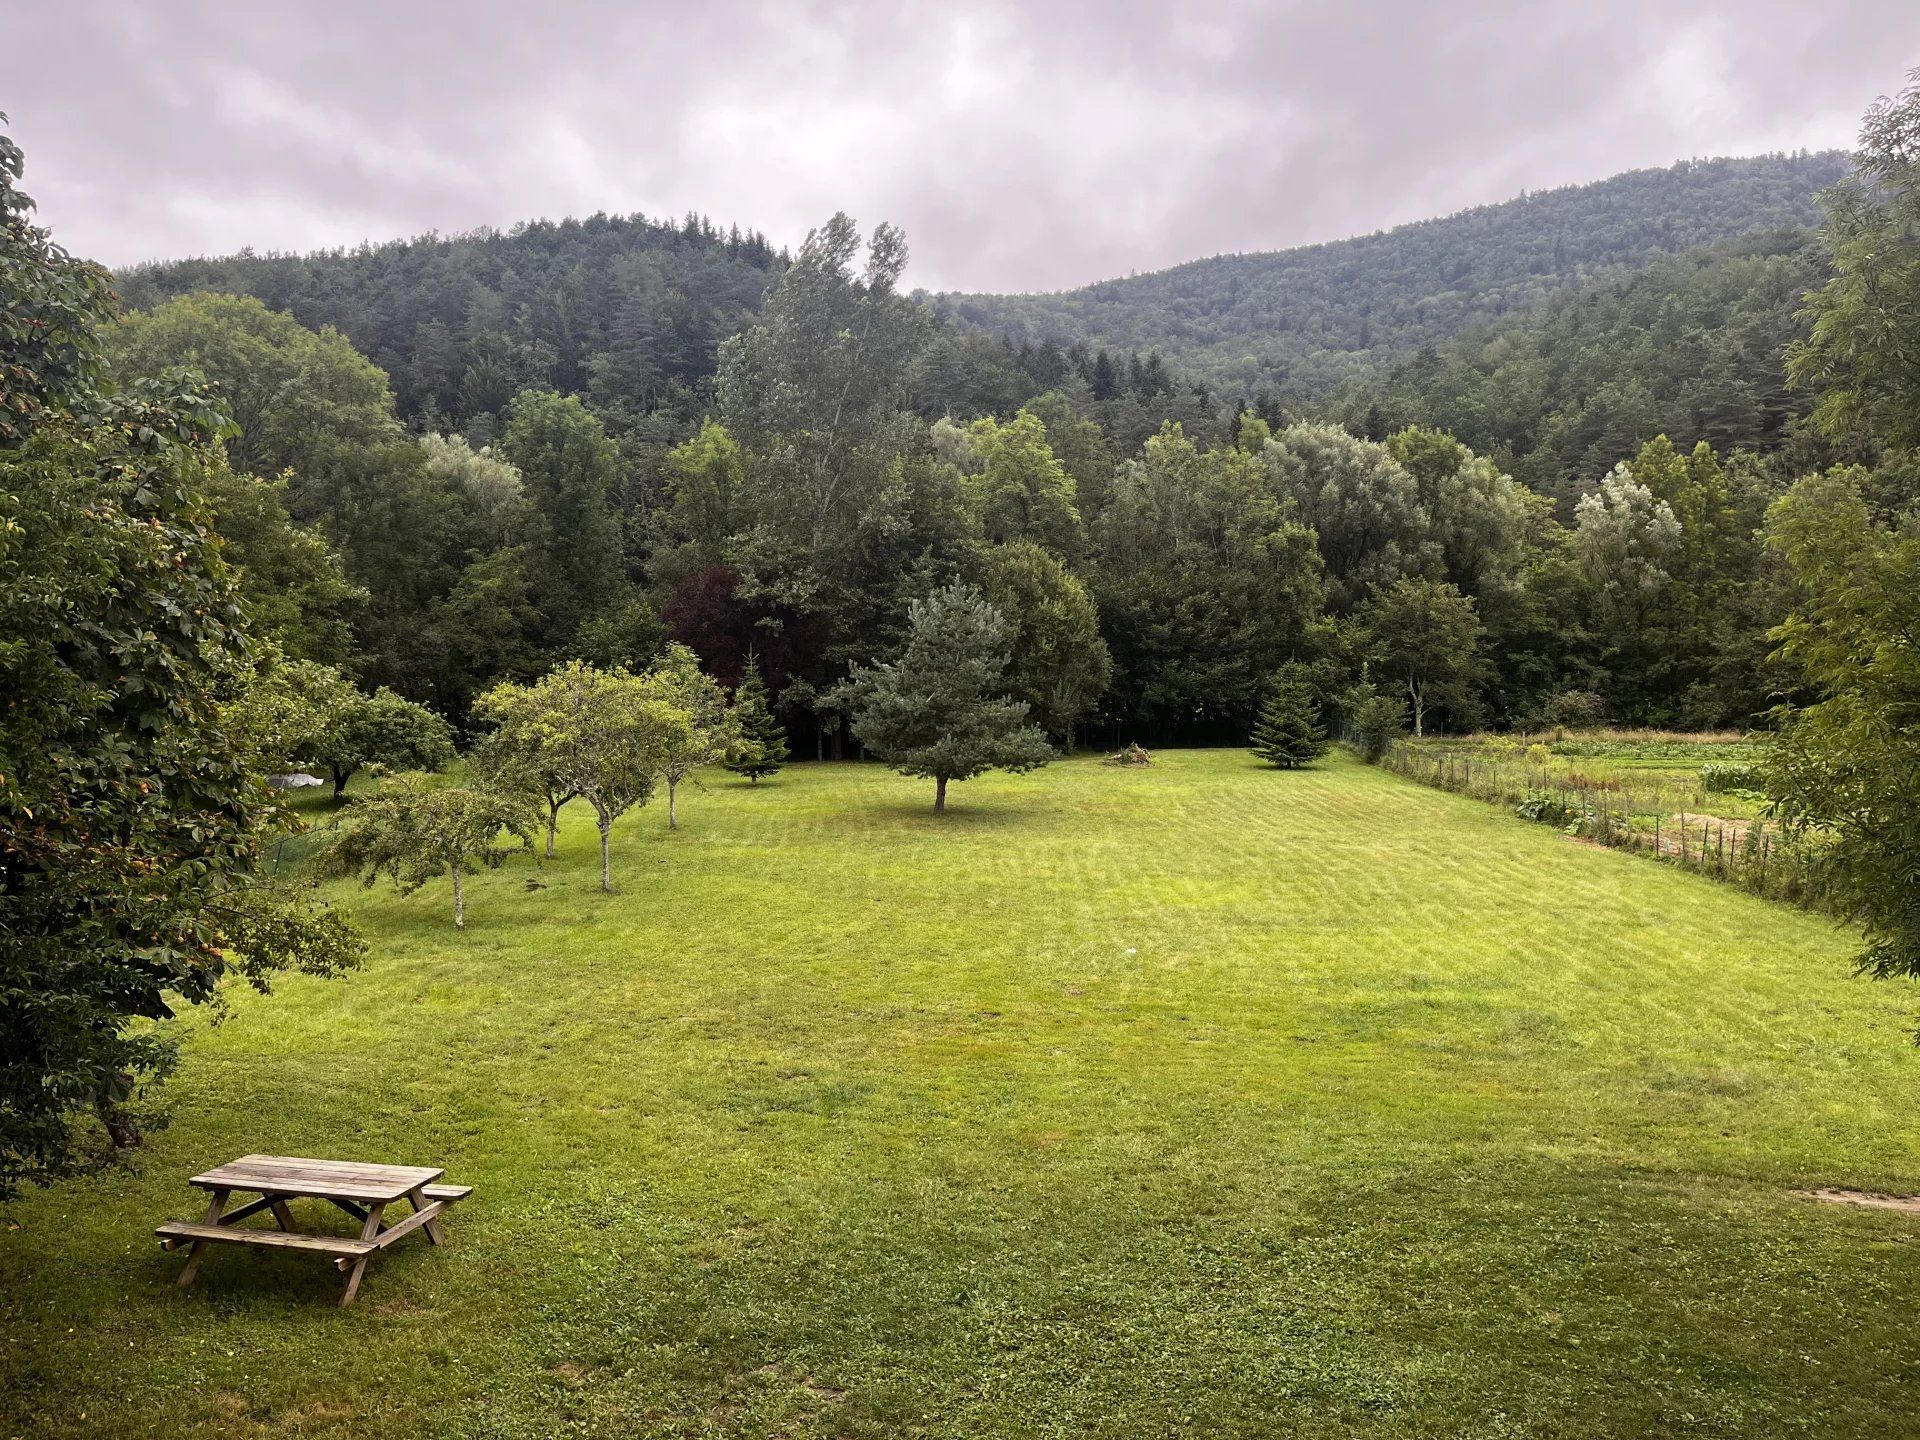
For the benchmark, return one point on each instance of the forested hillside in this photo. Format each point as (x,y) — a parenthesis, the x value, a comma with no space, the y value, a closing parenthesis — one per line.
(1300,323)
(1690,347)
(1557,425)
(622,309)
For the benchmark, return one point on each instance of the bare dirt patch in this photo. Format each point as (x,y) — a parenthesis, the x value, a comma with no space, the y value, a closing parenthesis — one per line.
(1907,1204)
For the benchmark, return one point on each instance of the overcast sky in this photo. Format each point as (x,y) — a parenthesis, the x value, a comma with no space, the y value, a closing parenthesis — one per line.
(1023,146)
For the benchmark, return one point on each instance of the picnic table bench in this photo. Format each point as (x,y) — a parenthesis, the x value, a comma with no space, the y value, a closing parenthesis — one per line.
(363,1191)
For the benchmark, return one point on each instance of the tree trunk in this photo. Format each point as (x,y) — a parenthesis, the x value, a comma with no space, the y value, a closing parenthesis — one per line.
(340,778)
(606,862)
(459,902)
(939,793)
(553,824)
(1418,696)
(672,822)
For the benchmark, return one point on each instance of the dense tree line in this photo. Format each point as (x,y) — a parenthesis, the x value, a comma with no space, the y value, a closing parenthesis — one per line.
(1155,557)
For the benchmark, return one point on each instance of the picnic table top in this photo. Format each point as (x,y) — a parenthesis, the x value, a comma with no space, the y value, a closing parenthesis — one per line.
(336,1179)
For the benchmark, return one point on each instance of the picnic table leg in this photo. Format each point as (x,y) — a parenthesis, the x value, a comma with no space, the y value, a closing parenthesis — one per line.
(432,1227)
(283,1215)
(367,1232)
(199,1247)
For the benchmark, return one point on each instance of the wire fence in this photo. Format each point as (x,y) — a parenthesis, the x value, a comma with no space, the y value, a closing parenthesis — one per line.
(1766,857)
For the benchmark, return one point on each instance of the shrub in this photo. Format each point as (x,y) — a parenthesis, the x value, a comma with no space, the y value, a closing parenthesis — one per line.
(1374,720)
(1545,807)
(1572,710)
(1539,756)
(1723,777)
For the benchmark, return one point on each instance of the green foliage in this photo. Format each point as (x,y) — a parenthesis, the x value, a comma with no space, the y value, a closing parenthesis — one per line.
(56,307)
(1426,635)
(1557,393)
(1547,807)
(131,825)
(624,310)
(534,744)
(714,733)
(757,744)
(490,485)
(1289,734)
(817,387)
(1848,762)
(570,477)
(1365,510)
(302,713)
(1301,322)
(1058,663)
(707,477)
(317,414)
(304,401)
(941,710)
(1723,778)
(291,581)
(1018,487)
(604,736)
(1205,584)
(413,829)
(1860,353)
(1374,718)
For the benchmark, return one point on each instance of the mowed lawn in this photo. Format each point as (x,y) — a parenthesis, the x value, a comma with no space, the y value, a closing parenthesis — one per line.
(1196,1100)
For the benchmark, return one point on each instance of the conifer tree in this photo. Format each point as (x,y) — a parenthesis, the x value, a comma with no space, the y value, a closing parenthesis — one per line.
(761,746)
(942,710)
(1289,734)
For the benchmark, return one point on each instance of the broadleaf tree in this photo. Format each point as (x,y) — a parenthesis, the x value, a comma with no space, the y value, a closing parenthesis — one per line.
(677,679)
(413,830)
(1425,634)
(1847,763)
(602,735)
(132,825)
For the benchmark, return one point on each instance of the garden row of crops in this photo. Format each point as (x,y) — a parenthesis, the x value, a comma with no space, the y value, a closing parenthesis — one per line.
(1679,808)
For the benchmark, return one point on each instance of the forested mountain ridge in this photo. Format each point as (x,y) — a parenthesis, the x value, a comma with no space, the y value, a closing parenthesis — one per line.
(1690,347)
(1299,323)
(621,309)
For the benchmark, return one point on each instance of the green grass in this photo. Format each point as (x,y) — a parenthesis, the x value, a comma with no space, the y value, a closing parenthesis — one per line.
(1198,1100)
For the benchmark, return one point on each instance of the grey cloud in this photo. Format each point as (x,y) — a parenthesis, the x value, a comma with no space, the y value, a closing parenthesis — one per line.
(1022,146)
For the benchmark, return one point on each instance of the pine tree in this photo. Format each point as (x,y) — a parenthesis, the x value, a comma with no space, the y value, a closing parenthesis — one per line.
(1289,734)
(941,710)
(761,747)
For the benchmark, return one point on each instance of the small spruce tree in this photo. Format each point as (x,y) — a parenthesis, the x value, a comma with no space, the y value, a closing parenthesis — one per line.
(1289,733)
(760,741)
(1374,720)
(941,709)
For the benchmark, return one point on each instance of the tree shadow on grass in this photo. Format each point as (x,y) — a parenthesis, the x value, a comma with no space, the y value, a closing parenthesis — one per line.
(958,816)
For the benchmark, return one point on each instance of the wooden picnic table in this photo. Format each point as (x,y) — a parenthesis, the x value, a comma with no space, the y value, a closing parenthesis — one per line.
(363,1191)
